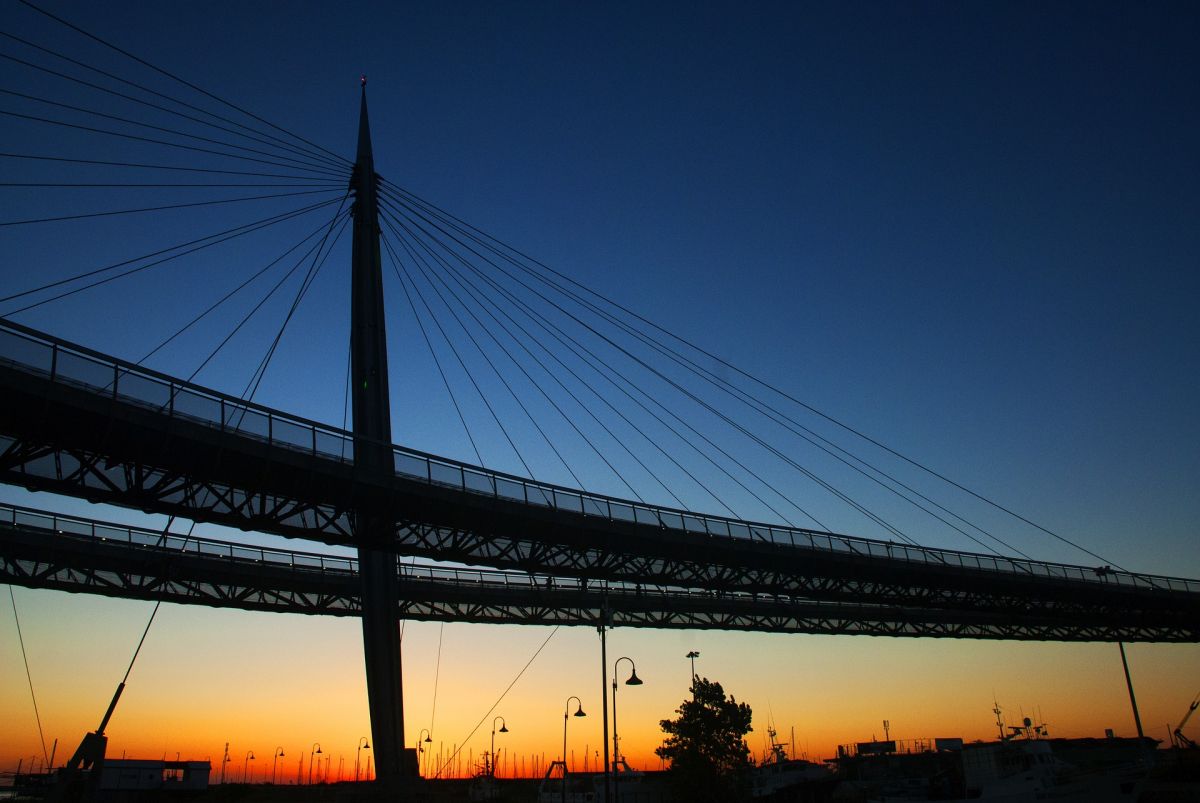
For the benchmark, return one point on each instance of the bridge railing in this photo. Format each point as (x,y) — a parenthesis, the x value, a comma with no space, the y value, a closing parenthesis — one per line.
(453,474)
(78,367)
(169,545)
(69,364)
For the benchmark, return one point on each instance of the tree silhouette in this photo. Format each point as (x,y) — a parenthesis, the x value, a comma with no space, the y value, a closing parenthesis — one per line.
(706,745)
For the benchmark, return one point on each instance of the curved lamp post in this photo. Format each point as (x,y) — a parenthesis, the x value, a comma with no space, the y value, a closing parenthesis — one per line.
(275,762)
(633,680)
(362,742)
(503,729)
(317,749)
(566,712)
(245,763)
(428,740)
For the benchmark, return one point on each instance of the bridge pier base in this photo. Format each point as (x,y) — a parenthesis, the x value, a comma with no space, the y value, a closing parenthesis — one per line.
(381,655)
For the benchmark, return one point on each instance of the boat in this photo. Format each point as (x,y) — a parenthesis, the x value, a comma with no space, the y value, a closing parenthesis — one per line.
(1022,766)
(778,772)
(560,786)
(483,784)
(588,787)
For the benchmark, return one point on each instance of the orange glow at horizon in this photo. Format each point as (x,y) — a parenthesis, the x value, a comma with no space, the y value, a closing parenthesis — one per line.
(261,682)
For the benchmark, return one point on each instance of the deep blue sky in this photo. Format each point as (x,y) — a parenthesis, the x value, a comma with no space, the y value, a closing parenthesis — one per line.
(966,229)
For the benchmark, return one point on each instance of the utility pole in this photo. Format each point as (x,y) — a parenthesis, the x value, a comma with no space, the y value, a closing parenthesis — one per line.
(373,467)
(604,694)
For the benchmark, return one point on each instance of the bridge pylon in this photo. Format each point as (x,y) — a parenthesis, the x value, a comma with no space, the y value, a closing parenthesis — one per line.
(373,462)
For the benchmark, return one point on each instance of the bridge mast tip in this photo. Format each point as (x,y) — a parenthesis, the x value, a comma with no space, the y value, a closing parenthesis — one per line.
(362,79)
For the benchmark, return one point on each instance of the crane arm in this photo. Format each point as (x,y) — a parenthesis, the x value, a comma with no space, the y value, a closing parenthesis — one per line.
(1179,737)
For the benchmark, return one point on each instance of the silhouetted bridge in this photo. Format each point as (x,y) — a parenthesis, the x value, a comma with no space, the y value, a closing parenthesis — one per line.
(68,553)
(83,424)
(78,423)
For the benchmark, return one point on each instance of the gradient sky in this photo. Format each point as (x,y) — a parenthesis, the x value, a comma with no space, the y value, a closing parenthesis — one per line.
(969,231)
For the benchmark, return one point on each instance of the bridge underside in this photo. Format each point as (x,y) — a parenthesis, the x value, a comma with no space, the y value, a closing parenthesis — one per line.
(77,423)
(135,564)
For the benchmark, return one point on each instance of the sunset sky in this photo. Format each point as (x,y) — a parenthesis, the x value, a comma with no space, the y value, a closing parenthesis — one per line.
(968,231)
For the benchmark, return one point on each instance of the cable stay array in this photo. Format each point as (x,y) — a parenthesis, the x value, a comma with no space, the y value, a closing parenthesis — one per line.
(644,403)
(104,148)
(237,225)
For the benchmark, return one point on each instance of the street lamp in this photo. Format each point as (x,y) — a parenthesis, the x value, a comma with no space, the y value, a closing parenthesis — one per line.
(578,713)
(634,680)
(274,762)
(503,729)
(428,740)
(317,749)
(249,757)
(362,742)
(693,655)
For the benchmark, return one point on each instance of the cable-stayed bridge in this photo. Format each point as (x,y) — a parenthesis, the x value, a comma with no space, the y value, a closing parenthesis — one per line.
(81,423)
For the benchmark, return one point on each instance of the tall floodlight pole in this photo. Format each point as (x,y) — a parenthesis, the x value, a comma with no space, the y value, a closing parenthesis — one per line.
(373,466)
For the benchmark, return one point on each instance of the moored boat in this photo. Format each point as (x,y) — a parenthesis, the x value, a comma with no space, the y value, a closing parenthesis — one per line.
(1010,770)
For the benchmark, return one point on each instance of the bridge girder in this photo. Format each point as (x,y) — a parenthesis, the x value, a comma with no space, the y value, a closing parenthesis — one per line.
(682,570)
(218,575)
(94,476)
(87,474)
(69,437)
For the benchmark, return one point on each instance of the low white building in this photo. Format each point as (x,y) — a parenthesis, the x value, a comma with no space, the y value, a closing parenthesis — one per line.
(136,773)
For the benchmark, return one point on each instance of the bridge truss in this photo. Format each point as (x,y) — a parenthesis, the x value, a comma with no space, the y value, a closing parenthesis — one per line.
(39,549)
(86,425)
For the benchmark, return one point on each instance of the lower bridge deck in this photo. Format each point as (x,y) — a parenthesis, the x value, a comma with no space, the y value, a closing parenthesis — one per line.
(39,549)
